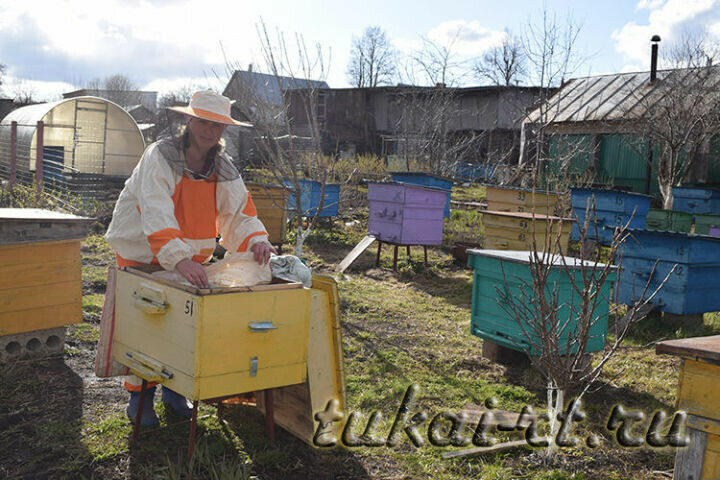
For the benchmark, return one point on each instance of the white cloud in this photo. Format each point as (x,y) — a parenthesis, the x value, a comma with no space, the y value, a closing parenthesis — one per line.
(649,4)
(669,19)
(14,87)
(79,40)
(466,38)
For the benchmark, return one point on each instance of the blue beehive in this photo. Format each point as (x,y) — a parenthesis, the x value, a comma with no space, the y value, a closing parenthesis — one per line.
(696,200)
(613,208)
(426,180)
(473,171)
(310,198)
(509,271)
(694,286)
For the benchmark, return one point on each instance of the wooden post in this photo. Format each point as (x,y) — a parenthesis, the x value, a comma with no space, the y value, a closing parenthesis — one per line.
(425,250)
(377,260)
(269,416)
(395,252)
(138,414)
(193,427)
(408,253)
(13,153)
(39,157)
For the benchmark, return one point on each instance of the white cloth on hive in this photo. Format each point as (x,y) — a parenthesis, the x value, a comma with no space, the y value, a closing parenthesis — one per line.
(291,268)
(236,270)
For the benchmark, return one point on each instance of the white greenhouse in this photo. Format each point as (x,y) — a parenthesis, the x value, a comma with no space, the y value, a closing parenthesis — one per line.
(82,137)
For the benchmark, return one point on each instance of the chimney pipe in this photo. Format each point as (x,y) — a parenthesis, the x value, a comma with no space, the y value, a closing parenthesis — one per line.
(653,57)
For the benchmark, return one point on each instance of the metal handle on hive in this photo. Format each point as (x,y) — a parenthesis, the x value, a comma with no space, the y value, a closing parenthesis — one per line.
(262,326)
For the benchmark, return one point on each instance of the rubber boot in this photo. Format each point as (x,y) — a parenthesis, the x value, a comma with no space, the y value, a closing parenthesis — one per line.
(177,403)
(148,417)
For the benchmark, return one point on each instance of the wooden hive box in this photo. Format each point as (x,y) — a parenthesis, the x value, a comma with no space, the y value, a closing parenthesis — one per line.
(696,200)
(271,203)
(310,198)
(514,231)
(509,271)
(406,214)
(699,395)
(613,208)
(209,343)
(427,180)
(510,199)
(694,285)
(40,273)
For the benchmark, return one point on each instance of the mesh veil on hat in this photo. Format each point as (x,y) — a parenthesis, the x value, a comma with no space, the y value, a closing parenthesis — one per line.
(212,106)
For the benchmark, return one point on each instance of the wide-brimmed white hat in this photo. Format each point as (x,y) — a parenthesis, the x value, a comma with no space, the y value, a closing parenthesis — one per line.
(212,106)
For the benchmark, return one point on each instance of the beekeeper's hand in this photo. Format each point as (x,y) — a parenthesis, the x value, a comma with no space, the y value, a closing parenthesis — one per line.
(193,272)
(261,252)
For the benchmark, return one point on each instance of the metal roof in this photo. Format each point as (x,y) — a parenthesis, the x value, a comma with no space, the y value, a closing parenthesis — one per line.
(606,98)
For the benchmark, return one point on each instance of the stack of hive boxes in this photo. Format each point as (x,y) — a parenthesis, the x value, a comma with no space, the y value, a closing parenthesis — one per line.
(40,280)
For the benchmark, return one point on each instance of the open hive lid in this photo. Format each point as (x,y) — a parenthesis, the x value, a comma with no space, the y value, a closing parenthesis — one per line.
(527,216)
(147,271)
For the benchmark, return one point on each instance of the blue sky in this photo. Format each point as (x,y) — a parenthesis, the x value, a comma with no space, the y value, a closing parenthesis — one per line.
(53,46)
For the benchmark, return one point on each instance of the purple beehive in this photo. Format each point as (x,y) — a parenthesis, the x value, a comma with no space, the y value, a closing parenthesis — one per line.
(406,214)
(715,230)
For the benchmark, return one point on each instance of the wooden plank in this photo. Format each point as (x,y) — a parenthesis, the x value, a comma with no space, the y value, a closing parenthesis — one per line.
(355,253)
(38,252)
(35,274)
(472,452)
(699,391)
(689,461)
(711,468)
(40,318)
(707,348)
(27,298)
(292,410)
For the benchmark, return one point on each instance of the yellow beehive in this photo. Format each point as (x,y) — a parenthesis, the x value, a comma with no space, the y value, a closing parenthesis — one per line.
(514,231)
(40,272)
(209,343)
(698,395)
(506,199)
(271,204)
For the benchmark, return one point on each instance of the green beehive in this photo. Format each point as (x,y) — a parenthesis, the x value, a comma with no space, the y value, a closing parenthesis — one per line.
(668,221)
(497,271)
(704,221)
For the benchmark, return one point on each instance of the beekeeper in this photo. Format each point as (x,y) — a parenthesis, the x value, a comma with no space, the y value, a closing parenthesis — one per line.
(183,192)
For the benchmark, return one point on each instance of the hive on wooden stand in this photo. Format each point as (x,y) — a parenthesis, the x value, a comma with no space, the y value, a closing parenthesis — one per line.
(40,280)
(404,215)
(209,344)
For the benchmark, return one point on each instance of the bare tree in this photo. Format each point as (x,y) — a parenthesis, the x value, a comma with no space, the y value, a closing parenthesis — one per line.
(372,59)
(557,324)
(679,115)
(439,63)
(550,51)
(2,73)
(427,130)
(116,88)
(290,150)
(23,93)
(504,64)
